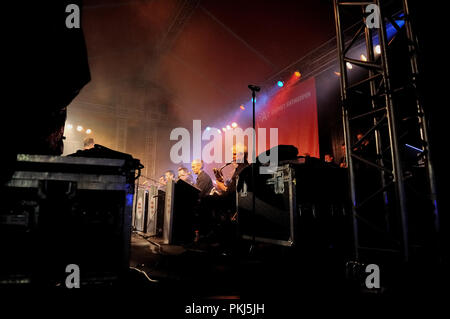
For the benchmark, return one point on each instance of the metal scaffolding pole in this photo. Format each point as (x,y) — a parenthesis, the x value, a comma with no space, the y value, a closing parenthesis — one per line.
(385,128)
(397,170)
(346,124)
(378,141)
(421,114)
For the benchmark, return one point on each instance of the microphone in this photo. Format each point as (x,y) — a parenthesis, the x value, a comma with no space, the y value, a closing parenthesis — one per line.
(254,88)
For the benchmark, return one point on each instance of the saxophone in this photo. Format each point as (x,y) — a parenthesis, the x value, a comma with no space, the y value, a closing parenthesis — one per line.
(218,173)
(219,177)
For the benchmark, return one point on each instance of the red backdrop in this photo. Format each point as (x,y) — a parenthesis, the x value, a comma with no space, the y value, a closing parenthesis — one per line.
(293,110)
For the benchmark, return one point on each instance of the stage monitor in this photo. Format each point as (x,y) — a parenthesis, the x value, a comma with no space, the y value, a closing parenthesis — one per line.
(180,204)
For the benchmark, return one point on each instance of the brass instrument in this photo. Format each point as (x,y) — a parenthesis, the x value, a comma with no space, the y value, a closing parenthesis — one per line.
(219,177)
(218,173)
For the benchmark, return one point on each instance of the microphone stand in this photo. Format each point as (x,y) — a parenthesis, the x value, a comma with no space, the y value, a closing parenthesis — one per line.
(254,89)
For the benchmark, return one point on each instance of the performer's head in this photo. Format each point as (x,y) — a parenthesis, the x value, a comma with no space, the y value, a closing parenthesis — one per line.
(240,153)
(183,173)
(169,175)
(88,143)
(197,166)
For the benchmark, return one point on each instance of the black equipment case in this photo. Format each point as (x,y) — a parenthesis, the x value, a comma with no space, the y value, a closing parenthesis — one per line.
(296,201)
(57,211)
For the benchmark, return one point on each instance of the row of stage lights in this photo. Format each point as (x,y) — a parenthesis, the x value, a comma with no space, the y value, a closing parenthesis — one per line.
(224,129)
(233,125)
(297,74)
(280,83)
(363,58)
(391,30)
(79,128)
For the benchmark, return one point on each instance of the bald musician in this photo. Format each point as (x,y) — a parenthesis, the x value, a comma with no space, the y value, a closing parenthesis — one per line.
(240,161)
(203,182)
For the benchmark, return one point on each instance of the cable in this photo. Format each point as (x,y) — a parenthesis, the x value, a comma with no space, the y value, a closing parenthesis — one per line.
(145,274)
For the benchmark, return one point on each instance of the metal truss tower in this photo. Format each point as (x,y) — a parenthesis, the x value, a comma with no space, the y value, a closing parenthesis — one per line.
(391,174)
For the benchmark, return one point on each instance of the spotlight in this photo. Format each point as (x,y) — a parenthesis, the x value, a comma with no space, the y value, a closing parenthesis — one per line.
(377,49)
(88,131)
(79,128)
(297,74)
(208,128)
(220,132)
(349,65)
(224,129)
(242,107)
(234,125)
(228,127)
(280,83)
(363,58)
(414,148)
(69,126)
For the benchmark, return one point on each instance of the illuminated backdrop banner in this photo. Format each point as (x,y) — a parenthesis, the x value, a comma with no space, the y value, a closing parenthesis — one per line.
(293,110)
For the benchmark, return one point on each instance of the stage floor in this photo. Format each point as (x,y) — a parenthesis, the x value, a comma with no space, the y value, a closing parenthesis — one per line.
(205,271)
(266,274)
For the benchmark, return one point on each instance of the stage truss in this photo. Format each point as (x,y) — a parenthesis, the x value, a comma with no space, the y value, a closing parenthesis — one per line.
(393,197)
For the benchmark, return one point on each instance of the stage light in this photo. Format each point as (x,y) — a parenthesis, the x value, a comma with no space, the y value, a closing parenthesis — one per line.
(69,126)
(349,65)
(79,128)
(220,132)
(234,125)
(414,148)
(228,127)
(297,74)
(224,129)
(377,49)
(280,83)
(208,128)
(363,58)
(88,131)
(242,107)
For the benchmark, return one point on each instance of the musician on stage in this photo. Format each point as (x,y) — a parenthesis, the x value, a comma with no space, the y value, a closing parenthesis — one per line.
(223,203)
(240,162)
(169,175)
(203,182)
(88,143)
(185,175)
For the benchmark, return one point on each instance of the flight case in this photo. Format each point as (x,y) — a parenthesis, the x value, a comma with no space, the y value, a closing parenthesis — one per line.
(57,211)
